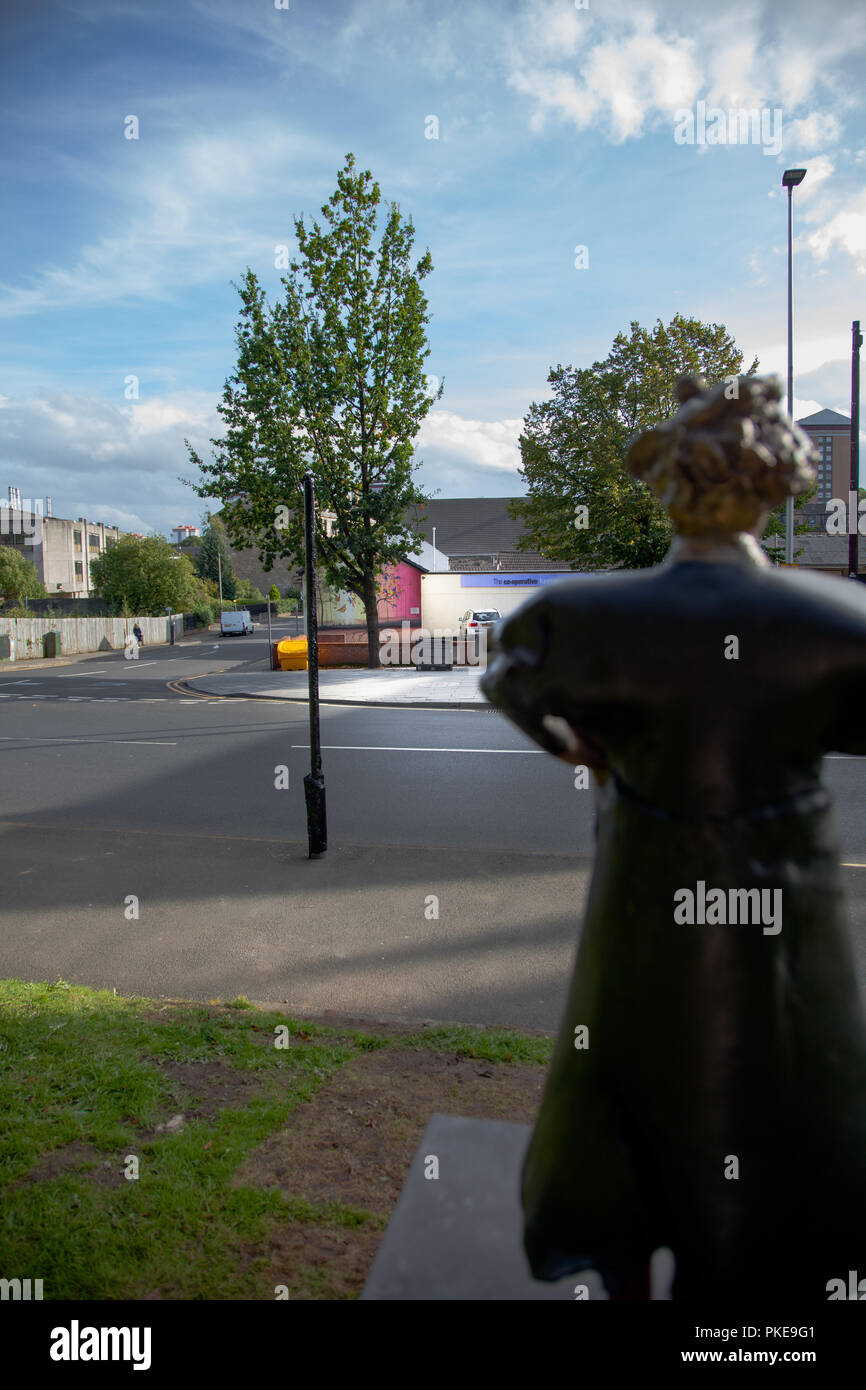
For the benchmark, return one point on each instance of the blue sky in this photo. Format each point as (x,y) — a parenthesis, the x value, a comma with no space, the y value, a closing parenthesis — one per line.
(556,128)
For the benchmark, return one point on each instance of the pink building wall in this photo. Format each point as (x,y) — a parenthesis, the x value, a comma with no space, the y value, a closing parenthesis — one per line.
(400,594)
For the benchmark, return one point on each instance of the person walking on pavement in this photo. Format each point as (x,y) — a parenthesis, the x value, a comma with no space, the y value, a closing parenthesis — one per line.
(138,634)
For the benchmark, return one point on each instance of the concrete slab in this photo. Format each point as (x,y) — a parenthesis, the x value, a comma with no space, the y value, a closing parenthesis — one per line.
(458,1236)
(458,688)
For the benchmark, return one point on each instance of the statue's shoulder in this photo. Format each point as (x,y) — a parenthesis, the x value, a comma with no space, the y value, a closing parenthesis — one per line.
(606,588)
(835,597)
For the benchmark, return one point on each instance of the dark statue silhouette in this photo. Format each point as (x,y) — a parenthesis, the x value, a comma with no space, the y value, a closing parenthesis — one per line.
(718,1107)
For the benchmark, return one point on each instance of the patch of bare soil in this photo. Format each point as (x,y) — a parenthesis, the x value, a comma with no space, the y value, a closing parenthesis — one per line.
(206,1088)
(77,1157)
(353,1142)
(312,1259)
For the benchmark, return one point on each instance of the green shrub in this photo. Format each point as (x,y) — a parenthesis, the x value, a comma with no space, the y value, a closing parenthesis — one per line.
(203,614)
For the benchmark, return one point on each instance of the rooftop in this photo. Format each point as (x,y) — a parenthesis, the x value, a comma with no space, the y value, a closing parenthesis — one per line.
(824,418)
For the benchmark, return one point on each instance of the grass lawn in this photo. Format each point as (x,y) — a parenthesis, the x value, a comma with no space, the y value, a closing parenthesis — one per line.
(269,1151)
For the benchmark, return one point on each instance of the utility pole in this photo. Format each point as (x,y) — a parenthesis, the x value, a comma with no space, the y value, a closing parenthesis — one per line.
(790,180)
(220,574)
(314,782)
(853,536)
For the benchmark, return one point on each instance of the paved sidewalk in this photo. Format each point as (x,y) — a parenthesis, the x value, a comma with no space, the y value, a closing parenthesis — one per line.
(222,915)
(456,689)
(190,639)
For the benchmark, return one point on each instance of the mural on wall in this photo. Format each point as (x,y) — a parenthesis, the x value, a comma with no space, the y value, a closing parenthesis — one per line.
(400,593)
(340,608)
(399,597)
(390,592)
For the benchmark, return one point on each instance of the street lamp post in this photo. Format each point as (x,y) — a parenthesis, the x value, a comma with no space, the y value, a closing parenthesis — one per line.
(314,782)
(854,482)
(790,179)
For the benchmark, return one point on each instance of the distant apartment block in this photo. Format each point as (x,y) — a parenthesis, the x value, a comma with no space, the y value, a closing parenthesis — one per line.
(61,550)
(830,432)
(183,533)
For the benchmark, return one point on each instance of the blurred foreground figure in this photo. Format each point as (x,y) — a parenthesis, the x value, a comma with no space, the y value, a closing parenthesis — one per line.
(708,1089)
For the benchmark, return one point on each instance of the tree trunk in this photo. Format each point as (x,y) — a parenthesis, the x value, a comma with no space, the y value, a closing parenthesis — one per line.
(371,608)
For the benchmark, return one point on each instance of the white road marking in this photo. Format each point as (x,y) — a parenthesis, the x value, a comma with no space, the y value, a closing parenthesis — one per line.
(27,738)
(146,742)
(399,748)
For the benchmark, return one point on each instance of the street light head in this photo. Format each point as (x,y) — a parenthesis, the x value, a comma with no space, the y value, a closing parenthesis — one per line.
(792,177)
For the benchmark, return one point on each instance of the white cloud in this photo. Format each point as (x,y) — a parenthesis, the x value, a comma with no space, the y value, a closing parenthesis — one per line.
(820,128)
(820,169)
(124,461)
(175,212)
(483,444)
(621,80)
(632,69)
(846,228)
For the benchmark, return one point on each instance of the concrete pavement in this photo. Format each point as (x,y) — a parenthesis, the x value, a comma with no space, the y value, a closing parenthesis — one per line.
(353,933)
(391,685)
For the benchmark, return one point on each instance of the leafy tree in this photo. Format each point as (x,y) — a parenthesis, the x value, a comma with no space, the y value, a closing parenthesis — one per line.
(144,576)
(214,554)
(582,506)
(274,594)
(330,379)
(19,577)
(247,592)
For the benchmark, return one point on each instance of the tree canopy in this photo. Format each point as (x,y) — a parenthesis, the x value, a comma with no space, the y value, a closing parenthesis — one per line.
(582,506)
(214,555)
(330,379)
(19,577)
(145,576)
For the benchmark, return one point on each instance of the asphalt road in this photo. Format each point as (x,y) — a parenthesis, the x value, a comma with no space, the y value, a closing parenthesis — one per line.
(115,784)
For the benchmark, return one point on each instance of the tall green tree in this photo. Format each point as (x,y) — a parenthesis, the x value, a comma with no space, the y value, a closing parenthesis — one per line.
(214,556)
(144,576)
(581,505)
(330,379)
(19,577)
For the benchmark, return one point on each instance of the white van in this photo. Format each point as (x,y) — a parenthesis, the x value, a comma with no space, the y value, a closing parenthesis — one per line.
(238,624)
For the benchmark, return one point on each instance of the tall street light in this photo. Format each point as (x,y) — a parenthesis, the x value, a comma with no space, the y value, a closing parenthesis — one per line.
(790,179)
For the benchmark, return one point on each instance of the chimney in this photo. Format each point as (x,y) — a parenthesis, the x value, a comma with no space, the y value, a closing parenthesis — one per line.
(48,506)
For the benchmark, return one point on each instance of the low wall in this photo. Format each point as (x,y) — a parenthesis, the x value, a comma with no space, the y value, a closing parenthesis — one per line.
(79,634)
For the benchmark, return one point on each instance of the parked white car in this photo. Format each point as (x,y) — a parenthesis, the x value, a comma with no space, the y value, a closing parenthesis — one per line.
(238,624)
(474,619)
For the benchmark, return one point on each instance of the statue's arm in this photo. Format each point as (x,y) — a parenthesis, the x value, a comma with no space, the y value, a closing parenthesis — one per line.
(525,677)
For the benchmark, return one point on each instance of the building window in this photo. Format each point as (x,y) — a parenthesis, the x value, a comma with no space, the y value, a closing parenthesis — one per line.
(93,542)
(76,539)
(79,570)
